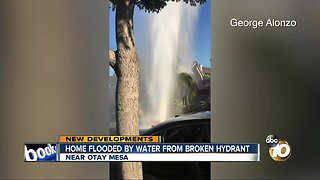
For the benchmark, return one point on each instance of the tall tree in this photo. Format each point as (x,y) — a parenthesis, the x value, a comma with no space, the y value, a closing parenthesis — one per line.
(125,63)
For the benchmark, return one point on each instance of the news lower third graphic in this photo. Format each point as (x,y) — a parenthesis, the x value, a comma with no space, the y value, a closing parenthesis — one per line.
(136,148)
(159,152)
(279,149)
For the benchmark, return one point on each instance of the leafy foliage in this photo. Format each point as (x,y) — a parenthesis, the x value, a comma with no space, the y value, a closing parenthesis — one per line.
(187,80)
(112,4)
(152,6)
(206,76)
(193,100)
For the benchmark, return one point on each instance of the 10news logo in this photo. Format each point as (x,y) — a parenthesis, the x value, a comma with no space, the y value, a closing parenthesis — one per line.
(279,149)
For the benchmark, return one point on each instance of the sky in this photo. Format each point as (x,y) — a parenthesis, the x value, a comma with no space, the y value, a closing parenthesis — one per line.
(202,38)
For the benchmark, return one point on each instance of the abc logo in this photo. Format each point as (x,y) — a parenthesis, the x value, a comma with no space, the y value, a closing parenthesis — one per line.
(279,149)
(272,140)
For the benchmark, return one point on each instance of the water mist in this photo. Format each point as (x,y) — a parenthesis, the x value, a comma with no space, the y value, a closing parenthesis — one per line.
(168,50)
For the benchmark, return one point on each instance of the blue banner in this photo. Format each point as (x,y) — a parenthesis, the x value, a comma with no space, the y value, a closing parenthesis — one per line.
(158,148)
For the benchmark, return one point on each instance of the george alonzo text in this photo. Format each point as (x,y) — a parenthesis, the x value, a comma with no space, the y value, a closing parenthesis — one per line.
(255,24)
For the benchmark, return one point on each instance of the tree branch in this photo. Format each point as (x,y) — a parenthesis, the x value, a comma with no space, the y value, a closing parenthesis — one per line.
(112,59)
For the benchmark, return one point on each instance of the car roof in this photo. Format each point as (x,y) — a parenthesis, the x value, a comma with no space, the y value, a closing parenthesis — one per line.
(180,119)
(199,115)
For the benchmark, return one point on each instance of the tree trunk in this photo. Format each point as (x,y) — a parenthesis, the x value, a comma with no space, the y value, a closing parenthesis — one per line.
(127,94)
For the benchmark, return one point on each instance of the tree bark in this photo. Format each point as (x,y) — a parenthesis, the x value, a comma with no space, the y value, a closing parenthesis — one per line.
(127,93)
